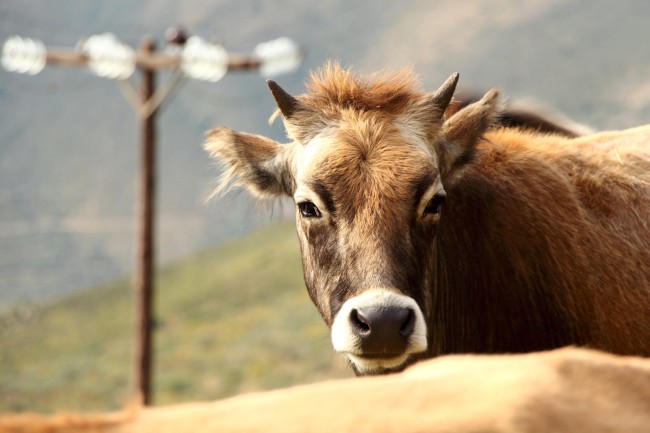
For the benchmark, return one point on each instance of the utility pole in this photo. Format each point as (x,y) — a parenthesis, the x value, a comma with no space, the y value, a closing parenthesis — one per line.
(193,58)
(145,255)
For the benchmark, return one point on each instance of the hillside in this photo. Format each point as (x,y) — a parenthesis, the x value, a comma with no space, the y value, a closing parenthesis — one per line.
(229,320)
(68,140)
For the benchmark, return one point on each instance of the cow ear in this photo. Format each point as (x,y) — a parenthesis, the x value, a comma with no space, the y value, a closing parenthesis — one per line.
(462,131)
(255,162)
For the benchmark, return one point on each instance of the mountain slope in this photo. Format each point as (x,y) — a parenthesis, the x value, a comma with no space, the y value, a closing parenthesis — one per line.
(229,320)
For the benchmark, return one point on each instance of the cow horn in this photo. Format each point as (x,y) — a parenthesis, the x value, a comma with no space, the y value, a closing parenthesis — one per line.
(442,97)
(286,103)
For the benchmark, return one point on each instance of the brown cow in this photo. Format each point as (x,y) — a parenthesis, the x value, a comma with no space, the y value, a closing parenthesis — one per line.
(564,391)
(423,236)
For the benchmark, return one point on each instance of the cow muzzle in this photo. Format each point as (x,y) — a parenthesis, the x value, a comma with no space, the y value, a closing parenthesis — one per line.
(379,331)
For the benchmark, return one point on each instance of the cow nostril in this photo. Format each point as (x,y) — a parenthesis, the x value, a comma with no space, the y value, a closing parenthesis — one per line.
(408,325)
(383,323)
(382,329)
(359,322)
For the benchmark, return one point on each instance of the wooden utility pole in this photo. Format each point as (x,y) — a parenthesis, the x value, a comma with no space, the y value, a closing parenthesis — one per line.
(144,274)
(146,105)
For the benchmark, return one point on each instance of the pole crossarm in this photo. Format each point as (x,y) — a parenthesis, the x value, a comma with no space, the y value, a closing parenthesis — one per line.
(146,61)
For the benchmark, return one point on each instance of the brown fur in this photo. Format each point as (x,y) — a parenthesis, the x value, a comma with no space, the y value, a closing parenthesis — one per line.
(542,242)
(553,239)
(563,391)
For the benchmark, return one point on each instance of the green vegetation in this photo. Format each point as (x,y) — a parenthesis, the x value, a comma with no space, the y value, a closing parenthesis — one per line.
(229,320)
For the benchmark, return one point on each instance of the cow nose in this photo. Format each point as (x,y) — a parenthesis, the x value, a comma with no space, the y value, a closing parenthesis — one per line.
(382,330)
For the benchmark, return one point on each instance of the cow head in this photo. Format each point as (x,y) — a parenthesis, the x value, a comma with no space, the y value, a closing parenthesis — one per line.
(366,168)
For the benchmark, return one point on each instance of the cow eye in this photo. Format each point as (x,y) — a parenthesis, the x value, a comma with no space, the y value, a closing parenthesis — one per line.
(435,204)
(308,210)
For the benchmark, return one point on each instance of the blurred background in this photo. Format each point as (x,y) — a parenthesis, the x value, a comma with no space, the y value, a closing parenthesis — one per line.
(232,314)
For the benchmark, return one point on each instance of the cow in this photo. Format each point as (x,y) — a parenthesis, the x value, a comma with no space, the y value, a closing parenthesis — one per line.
(562,391)
(423,234)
